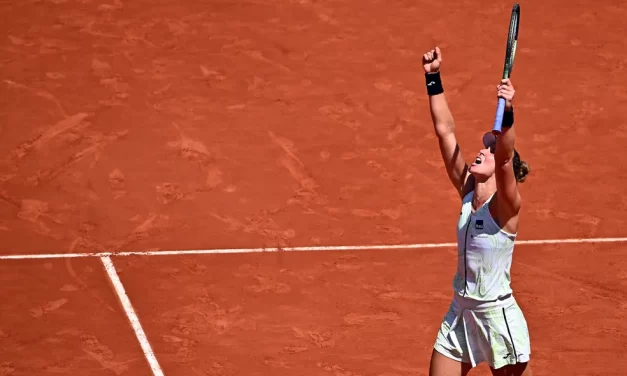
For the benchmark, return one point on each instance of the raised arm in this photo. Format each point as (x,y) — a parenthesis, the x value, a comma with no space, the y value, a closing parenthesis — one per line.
(443,123)
(508,197)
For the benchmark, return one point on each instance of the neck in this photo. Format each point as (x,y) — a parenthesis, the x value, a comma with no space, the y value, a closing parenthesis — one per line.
(483,191)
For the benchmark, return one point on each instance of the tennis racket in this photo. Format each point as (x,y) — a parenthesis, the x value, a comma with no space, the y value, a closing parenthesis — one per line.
(510,53)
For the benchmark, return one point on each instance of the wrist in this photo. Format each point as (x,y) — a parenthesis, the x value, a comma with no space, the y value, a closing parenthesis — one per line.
(508,117)
(433,82)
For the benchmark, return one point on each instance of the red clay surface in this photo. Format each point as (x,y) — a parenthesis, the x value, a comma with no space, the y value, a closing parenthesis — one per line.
(365,313)
(60,317)
(135,126)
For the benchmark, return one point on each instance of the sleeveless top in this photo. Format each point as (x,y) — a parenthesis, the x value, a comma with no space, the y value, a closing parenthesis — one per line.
(484,255)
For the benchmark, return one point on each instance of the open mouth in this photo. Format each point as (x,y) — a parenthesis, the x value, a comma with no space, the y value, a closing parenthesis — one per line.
(477,161)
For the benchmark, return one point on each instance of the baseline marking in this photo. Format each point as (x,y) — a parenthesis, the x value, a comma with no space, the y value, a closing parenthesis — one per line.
(294,249)
(132,316)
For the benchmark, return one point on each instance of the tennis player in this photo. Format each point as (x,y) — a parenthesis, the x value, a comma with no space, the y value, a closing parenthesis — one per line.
(484,322)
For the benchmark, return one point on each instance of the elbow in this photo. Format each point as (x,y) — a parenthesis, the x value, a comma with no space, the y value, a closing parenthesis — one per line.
(506,165)
(504,156)
(444,129)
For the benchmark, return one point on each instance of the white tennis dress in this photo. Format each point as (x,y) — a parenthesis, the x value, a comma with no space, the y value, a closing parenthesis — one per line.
(484,323)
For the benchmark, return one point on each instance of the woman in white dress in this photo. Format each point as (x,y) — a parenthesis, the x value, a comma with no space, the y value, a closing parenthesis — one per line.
(484,323)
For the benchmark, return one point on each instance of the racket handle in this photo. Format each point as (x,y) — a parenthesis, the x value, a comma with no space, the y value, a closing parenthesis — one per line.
(498,119)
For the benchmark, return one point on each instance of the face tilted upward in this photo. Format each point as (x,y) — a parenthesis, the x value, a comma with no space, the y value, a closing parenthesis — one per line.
(483,166)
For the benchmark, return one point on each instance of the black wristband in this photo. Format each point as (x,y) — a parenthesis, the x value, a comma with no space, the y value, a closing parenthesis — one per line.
(434,83)
(508,118)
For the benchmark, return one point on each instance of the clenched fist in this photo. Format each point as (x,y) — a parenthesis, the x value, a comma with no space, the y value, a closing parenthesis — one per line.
(432,60)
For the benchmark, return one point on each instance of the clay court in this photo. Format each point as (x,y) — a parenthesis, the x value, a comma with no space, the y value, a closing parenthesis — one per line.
(178,180)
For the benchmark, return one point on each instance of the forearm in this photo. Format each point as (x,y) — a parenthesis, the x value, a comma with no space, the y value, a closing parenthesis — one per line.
(506,140)
(441,115)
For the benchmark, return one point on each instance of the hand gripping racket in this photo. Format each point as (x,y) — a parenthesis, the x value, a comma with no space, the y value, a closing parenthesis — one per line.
(510,53)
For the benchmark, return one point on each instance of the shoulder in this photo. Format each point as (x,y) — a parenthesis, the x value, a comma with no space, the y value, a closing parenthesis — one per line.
(507,223)
(469,186)
(498,199)
(467,196)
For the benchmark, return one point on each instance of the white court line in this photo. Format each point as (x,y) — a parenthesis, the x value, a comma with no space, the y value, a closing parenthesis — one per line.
(134,320)
(295,249)
(132,316)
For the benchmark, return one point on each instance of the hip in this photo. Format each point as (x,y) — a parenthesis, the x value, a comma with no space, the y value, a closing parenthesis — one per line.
(467,303)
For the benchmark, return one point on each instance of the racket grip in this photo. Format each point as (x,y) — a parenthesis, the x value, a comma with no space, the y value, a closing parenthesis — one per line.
(498,119)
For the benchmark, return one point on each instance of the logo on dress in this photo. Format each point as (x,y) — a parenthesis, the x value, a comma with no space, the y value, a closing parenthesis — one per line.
(479,224)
